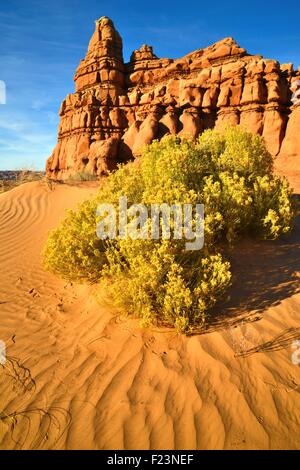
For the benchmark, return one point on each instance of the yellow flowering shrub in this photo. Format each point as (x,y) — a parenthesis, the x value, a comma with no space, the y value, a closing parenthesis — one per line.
(73,250)
(230,172)
(272,206)
(161,282)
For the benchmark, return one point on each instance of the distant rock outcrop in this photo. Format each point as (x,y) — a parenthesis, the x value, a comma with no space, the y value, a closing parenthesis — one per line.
(117,108)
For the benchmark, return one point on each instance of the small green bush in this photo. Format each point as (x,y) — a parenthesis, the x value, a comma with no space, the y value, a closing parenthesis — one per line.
(161,282)
(73,251)
(230,172)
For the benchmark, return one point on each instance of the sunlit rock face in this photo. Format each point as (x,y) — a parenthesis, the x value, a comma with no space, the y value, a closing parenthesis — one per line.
(119,107)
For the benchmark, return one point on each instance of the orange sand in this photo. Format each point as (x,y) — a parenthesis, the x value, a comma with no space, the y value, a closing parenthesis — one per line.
(79,376)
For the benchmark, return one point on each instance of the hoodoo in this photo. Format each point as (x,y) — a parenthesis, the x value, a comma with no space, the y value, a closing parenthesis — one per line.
(119,107)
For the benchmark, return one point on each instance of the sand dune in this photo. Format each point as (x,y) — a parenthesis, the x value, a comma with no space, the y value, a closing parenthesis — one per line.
(80,376)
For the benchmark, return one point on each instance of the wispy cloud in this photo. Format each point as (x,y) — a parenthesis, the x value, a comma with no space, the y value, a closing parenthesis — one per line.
(23,139)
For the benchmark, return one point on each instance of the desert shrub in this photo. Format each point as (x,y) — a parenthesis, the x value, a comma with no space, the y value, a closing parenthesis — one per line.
(235,151)
(163,282)
(82,176)
(230,172)
(73,250)
(272,206)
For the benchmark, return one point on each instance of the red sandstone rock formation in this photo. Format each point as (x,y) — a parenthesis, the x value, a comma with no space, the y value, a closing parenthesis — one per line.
(117,108)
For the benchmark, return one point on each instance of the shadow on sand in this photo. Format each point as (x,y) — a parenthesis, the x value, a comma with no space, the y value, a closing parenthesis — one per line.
(264,274)
(281,341)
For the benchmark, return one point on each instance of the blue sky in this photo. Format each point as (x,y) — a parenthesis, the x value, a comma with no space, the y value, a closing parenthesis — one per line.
(42,42)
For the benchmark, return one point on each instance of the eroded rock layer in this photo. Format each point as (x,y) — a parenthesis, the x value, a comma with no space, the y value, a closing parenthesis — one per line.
(117,108)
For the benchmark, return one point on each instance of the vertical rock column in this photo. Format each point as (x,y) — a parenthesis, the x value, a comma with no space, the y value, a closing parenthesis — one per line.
(91,122)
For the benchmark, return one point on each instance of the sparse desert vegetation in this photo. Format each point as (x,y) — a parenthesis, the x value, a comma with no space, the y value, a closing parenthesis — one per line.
(82,353)
(123,324)
(160,281)
(12,179)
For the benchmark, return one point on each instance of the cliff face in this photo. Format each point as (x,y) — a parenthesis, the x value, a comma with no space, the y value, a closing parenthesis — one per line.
(118,107)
